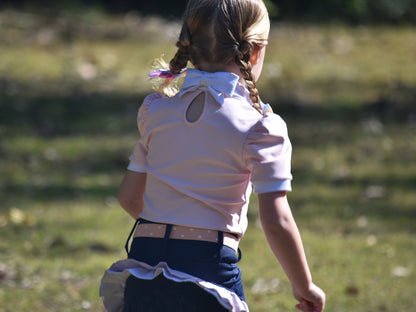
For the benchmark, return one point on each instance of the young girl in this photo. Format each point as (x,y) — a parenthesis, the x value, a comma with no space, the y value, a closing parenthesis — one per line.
(191,174)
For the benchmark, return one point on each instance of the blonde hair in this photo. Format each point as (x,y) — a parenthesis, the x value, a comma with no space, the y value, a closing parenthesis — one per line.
(220,32)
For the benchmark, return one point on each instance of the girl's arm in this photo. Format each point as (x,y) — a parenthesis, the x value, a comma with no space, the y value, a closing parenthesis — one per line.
(285,241)
(131,192)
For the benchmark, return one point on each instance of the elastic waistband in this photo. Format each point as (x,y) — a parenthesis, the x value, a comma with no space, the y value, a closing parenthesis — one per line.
(157,230)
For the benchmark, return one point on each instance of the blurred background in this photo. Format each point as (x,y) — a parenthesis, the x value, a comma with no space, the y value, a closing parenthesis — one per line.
(340,72)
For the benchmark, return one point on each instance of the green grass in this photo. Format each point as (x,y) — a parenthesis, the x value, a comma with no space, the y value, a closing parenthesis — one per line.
(69,92)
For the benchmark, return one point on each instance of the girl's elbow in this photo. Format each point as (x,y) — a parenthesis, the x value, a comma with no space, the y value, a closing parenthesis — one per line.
(277,224)
(122,199)
(127,202)
(132,207)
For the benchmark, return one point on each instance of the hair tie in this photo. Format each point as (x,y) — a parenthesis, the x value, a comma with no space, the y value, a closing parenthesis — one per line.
(165,74)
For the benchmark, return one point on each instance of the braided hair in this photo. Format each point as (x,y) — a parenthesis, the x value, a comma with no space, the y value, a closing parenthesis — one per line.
(221,32)
(242,59)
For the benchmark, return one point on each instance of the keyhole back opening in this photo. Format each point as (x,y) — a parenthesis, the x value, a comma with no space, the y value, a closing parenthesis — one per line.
(196,108)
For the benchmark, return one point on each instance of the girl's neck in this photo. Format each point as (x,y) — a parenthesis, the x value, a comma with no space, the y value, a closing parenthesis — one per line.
(213,67)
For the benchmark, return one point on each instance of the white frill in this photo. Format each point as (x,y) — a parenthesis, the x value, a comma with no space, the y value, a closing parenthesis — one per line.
(114,280)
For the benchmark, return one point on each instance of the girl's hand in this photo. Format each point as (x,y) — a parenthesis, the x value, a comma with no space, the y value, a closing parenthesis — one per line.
(313,300)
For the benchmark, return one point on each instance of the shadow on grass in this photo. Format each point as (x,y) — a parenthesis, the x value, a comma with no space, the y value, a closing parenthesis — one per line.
(59,192)
(73,114)
(70,110)
(80,113)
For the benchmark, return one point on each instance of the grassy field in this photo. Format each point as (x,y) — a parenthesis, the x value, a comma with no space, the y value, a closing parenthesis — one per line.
(70,87)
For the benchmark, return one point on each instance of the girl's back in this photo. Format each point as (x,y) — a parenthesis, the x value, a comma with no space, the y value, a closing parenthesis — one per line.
(203,167)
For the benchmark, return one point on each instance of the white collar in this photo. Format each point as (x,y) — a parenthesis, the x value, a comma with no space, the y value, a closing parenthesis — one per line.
(217,84)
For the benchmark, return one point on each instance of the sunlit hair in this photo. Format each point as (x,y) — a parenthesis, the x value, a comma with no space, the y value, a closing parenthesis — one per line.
(219,32)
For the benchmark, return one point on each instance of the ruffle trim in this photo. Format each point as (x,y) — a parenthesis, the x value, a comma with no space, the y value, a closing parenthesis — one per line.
(114,280)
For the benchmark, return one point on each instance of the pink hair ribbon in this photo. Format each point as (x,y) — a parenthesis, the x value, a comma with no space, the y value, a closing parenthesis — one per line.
(166,74)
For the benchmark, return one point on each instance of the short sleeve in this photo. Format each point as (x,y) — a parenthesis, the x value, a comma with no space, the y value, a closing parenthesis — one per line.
(143,110)
(138,158)
(268,153)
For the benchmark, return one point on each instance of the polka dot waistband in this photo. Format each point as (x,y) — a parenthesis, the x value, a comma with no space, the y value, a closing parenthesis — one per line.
(183,232)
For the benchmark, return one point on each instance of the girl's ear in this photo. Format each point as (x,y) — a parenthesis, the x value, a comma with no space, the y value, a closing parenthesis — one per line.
(255,55)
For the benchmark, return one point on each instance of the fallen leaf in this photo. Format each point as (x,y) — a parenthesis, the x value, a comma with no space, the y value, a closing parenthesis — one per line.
(263,286)
(16,216)
(352,290)
(371,240)
(400,271)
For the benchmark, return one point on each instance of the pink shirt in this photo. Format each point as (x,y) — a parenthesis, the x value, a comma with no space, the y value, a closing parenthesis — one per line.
(201,174)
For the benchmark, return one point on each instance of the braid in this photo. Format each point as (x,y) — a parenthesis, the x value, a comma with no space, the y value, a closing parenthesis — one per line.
(215,33)
(180,60)
(176,64)
(182,56)
(242,59)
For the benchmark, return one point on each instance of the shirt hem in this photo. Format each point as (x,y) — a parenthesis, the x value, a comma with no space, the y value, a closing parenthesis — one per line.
(136,167)
(277,185)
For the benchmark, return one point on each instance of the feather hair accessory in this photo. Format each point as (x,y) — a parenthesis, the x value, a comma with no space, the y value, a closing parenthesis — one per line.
(165,74)
(163,80)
